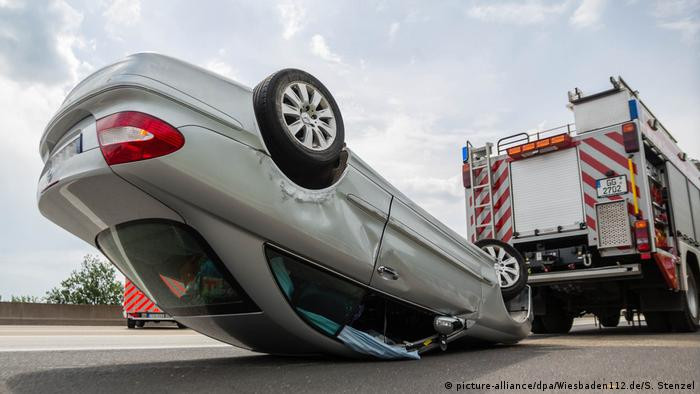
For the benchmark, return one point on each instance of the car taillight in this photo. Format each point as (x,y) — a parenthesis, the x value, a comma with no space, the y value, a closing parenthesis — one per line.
(641,234)
(630,138)
(131,136)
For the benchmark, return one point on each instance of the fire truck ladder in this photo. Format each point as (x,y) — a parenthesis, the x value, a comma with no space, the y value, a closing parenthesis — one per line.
(478,159)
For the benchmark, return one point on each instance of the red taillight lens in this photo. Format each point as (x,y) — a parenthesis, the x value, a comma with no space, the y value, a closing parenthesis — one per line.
(641,234)
(629,137)
(131,136)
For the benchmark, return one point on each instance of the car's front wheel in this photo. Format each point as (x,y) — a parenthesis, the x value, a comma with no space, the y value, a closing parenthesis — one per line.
(301,125)
(509,264)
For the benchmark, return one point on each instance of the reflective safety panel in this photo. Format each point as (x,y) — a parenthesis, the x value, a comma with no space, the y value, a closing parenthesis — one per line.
(175,267)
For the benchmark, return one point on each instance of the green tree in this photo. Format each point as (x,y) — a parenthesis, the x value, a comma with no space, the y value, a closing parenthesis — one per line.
(25,298)
(94,283)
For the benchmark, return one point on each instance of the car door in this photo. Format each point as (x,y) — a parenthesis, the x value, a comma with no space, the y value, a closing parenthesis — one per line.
(422,262)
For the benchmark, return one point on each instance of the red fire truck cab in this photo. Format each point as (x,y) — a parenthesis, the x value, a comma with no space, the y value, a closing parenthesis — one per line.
(606,212)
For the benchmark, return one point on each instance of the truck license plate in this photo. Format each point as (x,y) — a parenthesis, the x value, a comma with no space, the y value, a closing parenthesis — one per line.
(612,186)
(156,315)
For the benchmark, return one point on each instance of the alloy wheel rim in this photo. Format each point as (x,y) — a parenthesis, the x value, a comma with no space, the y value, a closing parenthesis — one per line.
(506,266)
(308,116)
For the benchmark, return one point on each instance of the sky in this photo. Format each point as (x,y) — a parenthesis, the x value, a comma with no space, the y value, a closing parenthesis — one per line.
(414,80)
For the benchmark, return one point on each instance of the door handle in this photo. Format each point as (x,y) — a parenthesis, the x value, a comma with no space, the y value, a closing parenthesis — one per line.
(388,272)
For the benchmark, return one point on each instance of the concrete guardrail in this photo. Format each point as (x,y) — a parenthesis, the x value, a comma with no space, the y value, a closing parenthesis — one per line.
(27,313)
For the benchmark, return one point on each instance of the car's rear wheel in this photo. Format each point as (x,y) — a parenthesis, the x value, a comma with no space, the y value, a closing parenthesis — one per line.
(509,264)
(301,125)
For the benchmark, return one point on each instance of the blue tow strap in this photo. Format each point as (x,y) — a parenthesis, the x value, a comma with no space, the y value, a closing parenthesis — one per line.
(364,343)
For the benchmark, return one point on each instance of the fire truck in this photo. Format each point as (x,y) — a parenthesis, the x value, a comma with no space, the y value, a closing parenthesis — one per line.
(139,309)
(606,212)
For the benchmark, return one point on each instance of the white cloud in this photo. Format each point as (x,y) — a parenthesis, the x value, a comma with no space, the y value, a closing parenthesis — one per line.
(519,13)
(682,16)
(37,44)
(320,48)
(120,14)
(588,14)
(393,29)
(292,15)
(688,27)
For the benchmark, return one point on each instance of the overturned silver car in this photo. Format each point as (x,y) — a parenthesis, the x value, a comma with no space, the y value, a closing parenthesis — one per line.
(244,216)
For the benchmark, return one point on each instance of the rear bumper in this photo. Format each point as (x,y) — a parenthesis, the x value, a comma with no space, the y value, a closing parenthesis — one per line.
(625,271)
(151,319)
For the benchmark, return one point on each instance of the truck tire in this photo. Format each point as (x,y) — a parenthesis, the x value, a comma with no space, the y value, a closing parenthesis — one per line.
(688,319)
(510,266)
(538,326)
(557,322)
(301,126)
(657,321)
(609,318)
(130,323)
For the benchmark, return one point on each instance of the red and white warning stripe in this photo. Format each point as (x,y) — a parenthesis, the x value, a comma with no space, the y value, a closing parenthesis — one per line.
(602,154)
(136,301)
(481,216)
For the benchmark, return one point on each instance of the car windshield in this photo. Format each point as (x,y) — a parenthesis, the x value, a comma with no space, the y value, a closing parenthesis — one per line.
(175,267)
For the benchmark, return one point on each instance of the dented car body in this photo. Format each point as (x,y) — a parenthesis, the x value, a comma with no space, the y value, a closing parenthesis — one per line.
(229,246)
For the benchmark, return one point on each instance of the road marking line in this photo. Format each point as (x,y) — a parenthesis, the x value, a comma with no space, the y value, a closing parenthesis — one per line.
(574,342)
(65,349)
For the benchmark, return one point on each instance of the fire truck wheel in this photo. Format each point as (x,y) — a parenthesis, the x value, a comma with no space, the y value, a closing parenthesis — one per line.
(130,323)
(557,322)
(301,126)
(609,318)
(657,321)
(510,266)
(140,324)
(538,326)
(180,325)
(688,319)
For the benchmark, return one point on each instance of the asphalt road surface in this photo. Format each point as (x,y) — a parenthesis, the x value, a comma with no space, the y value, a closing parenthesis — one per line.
(164,359)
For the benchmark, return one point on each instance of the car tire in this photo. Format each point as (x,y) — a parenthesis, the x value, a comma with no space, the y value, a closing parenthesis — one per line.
(688,319)
(512,270)
(657,321)
(301,125)
(609,318)
(130,323)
